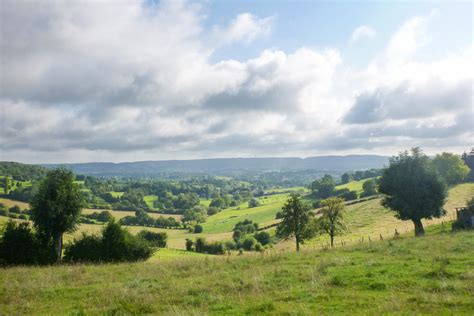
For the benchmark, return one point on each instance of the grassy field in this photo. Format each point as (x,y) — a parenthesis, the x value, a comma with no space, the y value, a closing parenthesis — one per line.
(364,220)
(116,194)
(429,275)
(149,199)
(353,186)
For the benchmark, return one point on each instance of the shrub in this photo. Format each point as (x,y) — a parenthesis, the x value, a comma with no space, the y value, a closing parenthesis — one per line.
(4,211)
(88,248)
(22,216)
(317,204)
(189,245)
(215,248)
(263,237)
(253,203)
(115,245)
(279,215)
(258,247)
(197,229)
(249,243)
(13,215)
(15,209)
(20,245)
(212,210)
(349,196)
(156,239)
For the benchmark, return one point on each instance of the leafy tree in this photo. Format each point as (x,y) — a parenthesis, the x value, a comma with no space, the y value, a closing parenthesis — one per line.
(156,239)
(197,214)
(323,188)
(370,188)
(20,245)
(7,183)
(56,208)
(346,178)
(468,159)
(451,167)
(413,188)
(331,219)
(295,221)
(263,237)
(197,229)
(253,203)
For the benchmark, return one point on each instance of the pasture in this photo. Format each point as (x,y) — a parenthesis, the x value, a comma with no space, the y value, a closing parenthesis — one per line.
(429,275)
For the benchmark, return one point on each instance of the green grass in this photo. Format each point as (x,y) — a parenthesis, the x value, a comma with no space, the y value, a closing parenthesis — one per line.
(264,214)
(116,194)
(149,199)
(205,202)
(353,186)
(429,275)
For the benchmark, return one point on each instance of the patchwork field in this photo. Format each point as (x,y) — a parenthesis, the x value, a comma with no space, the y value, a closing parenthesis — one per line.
(364,220)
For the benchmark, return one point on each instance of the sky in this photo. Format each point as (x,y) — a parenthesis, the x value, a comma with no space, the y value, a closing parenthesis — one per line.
(154,80)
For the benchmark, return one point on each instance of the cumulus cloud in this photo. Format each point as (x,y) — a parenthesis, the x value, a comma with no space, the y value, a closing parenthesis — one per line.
(361,32)
(135,81)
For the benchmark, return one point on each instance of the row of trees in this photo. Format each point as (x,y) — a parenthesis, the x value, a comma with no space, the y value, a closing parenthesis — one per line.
(414,188)
(56,210)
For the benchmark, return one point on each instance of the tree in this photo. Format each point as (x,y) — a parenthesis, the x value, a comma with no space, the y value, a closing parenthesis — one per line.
(253,202)
(413,188)
(346,178)
(323,188)
(7,183)
(451,167)
(296,217)
(370,187)
(469,161)
(331,219)
(197,214)
(57,206)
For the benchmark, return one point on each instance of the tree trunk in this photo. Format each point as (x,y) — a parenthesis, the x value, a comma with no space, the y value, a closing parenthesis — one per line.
(332,240)
(58,246)
(419,230)
(297,244)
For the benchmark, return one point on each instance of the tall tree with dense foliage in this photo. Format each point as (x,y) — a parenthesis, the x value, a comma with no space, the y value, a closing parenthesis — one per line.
(413,189)
(324,187)
(370,187)
(451,167)
(331,220)
(345,178)
(296,218)
(57,206)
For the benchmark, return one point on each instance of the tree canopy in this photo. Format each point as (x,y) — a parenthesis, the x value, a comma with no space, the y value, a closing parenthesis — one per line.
(413,188)
(296,217)
(451,167)
(331,219)
(57,206)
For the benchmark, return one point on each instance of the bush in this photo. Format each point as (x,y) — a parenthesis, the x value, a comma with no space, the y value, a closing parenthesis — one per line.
(22,216)
(249,243)
(349,195)
(253,203)
(15,209)
(317,204)
(13,215)
(212,210)
(88,248)
(197,229)
(20,245)
(155,239)
(279,215)
(4,211)
(215,248)
(258,247)
(189,245)
(263,237)
(115,245)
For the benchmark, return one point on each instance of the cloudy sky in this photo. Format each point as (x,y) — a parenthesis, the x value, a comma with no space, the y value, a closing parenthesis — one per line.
(95,81)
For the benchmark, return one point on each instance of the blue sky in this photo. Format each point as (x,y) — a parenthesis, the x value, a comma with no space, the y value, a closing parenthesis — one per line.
(183,79)
(331,23)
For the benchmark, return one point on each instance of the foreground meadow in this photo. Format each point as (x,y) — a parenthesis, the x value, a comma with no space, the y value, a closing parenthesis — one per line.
(429,275)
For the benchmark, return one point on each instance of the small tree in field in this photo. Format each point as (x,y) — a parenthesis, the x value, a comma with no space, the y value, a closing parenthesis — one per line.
(296,218)
(451,167)
(331,220)
(57,206)
(413,188)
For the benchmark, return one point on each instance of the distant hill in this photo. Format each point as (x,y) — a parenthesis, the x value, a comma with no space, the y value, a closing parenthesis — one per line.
(228,165)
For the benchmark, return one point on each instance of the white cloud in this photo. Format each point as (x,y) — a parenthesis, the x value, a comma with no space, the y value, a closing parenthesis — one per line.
(245,27)
(361,32)
(131,82)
